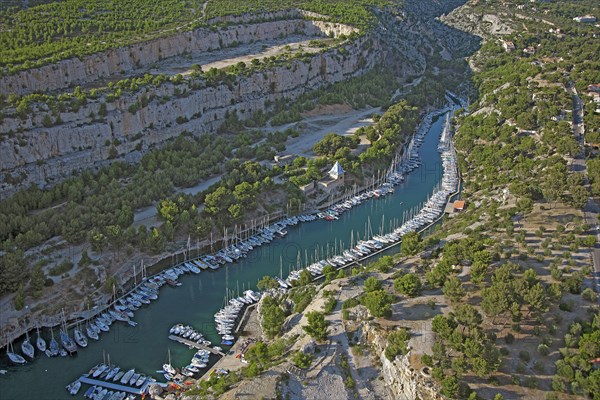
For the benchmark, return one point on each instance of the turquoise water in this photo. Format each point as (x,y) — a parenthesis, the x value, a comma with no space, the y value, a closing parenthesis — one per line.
(145,347)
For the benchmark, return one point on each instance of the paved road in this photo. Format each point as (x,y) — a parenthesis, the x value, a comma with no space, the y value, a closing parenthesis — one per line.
(591,209)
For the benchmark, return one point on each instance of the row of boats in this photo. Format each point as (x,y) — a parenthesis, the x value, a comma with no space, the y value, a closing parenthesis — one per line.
(199,361)
(100,393)
(113,373)
(122,310)
(431,210)
(226,317)
(386,188)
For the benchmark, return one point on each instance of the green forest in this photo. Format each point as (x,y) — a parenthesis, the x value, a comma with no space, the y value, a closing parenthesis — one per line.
(51,31)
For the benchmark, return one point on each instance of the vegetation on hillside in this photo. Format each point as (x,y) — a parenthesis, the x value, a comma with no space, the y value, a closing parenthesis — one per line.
(52,31)
(353,12)
(57,30)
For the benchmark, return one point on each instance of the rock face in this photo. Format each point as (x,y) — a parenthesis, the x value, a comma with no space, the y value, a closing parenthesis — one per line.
(402,380)
(83,140)
(42,150)
(75,71)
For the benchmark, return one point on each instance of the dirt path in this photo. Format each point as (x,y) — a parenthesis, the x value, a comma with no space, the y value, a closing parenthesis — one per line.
(230,56)
(318,126)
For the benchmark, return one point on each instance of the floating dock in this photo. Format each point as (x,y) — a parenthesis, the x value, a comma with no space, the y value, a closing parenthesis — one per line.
(115,386)
(196,345)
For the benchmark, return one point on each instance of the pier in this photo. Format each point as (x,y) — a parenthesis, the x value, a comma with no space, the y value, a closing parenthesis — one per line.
(244,317)
(196,345)
(115,386)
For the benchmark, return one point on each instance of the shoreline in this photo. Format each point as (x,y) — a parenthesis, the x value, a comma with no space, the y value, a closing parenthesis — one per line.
(425,124)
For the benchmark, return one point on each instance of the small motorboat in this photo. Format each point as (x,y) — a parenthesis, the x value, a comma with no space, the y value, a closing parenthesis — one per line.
(73,388)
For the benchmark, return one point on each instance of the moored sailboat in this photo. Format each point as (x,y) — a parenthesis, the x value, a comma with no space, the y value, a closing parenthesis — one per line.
(168,367)
(79,337)
(13,357)
(27,348)
(54,348)
(40,343)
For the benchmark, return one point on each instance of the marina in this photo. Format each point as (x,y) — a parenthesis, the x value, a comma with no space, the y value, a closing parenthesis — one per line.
(414,202)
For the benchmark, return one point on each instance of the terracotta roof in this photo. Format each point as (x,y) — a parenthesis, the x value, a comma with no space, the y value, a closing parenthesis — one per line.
(459,204)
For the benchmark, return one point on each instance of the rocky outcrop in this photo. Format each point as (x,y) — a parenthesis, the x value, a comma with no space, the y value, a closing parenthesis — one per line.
(75,71)
(402,380)
(40,155)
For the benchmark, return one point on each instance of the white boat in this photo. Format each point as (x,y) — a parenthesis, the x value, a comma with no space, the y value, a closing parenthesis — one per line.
(73,388)
(53,350)
(99,370)
(168,367)
(113,372)
(27,347)
(118,315)
(100,395)
(118,376)
(125,379)
(140,380)
(79,338)
(93,326)
(134,379)
(92,334)
(40,343)
(15,358)
(192,368)
(101,325)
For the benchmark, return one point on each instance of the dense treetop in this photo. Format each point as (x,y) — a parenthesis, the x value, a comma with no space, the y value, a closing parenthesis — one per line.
(63,29)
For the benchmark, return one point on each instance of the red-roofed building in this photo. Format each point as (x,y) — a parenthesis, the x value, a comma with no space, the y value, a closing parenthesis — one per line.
(459,205)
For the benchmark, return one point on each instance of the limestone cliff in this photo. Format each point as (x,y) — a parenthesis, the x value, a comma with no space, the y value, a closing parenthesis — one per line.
(42,155)
(34,152)
(402,380)
(137,57)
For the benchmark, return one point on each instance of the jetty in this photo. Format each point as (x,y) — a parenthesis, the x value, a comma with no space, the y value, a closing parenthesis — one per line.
(196,345)
(115,386)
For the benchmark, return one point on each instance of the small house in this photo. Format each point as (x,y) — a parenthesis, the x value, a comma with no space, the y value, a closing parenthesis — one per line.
(334,178)
(459,205)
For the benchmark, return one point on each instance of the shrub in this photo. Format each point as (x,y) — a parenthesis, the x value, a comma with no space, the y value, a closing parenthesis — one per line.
(353,302)
(302,360)
(409,285)
(397,343)
(589,295)
(350,384)
(524,355)
(427,360)
(372,284)
(60,268)
(317,325)
(543,349)
(566,306)
(329,305)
